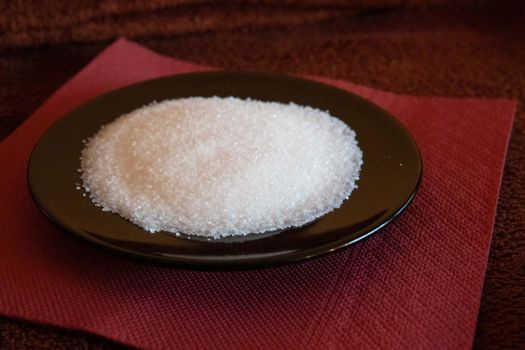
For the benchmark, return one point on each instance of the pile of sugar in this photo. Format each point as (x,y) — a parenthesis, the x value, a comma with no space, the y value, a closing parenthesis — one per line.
(221,166)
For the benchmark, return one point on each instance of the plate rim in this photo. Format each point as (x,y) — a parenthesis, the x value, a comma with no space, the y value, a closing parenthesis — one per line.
(217,264)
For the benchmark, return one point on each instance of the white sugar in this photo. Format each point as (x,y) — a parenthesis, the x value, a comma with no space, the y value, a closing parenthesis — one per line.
(221,166)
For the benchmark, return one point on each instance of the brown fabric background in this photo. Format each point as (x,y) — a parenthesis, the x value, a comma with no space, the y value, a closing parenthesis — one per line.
(418,47)
(28,22)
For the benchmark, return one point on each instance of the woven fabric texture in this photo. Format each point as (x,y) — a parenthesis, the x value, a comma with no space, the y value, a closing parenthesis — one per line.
(27,23)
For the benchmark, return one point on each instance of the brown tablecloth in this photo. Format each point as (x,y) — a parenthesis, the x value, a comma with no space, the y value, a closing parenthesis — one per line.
(423,48)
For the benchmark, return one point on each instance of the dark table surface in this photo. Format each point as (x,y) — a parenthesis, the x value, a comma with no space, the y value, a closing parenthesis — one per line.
(445,50)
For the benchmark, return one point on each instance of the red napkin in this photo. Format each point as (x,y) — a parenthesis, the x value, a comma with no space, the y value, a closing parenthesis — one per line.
(416,284)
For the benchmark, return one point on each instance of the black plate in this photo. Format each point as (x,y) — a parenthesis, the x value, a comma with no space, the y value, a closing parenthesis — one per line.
(389,177)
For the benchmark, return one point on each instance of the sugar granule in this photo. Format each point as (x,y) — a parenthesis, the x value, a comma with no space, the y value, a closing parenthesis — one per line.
(221,166)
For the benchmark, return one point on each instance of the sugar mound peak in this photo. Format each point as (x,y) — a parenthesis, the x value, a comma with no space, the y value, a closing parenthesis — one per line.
(221,166)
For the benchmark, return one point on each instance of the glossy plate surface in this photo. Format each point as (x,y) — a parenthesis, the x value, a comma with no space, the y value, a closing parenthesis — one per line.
(389,177)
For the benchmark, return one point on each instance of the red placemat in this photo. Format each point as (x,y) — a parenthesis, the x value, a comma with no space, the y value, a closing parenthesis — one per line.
(416,284)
